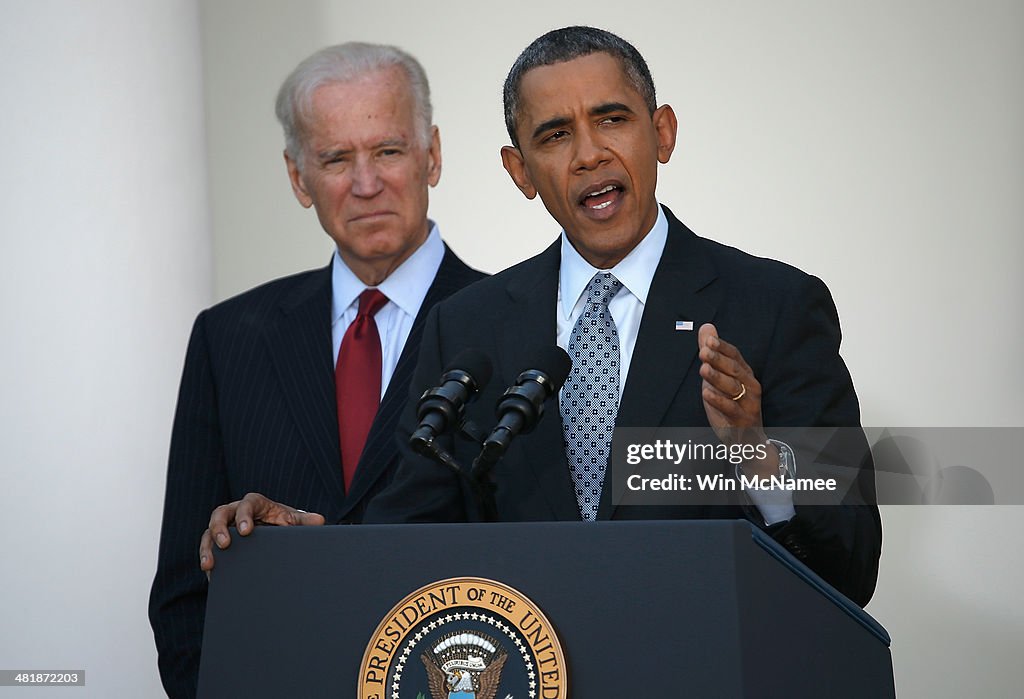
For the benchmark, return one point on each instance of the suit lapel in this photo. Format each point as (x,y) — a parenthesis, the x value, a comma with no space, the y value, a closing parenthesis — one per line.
(682,289)
(381,447)
(530,323)
(300,350)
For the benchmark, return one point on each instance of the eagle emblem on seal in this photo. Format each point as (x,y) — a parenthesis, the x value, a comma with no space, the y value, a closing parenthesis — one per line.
(464,665)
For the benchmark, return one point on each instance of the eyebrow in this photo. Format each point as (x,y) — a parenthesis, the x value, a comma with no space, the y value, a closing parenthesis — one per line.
(609,107)
(327,155)
(550,125)
(392,143)
(599,110)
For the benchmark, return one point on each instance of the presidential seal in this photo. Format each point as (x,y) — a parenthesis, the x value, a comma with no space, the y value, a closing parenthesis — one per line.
(464,638)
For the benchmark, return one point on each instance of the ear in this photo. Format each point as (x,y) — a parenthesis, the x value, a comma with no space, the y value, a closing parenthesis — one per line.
(434,157)
(298,187)
(512,159)
(665,126)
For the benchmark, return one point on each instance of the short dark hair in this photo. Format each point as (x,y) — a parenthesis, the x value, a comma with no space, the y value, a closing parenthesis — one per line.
(561,45)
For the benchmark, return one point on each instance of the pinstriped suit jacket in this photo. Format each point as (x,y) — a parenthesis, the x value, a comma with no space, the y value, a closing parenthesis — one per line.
(257,412)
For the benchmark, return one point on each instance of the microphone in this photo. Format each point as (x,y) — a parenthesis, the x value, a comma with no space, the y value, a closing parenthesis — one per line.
(440,408)
(522,405)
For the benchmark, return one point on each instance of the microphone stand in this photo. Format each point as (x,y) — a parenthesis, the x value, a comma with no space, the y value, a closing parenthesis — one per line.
(477,479)
(483,486)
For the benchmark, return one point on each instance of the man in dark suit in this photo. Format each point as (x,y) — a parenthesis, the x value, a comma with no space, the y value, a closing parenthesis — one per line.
(268,394)
(588,137)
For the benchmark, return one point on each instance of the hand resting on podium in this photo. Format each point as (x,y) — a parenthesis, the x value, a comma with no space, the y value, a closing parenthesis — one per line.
(244,514)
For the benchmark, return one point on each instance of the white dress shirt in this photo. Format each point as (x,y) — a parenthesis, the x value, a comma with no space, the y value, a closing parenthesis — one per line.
(405,288)
(636,272)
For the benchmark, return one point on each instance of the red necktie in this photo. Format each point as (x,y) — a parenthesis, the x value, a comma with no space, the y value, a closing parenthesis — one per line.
(357,381)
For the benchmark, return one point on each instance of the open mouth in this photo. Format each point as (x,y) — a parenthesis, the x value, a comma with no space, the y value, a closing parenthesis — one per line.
(602,197)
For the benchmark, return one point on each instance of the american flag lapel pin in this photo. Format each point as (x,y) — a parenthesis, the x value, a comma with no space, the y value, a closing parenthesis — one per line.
(684,325)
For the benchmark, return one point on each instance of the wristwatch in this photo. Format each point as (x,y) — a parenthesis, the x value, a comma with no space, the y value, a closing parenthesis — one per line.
(787,459)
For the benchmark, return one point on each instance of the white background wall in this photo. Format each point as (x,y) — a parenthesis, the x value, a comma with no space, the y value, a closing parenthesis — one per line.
(105,251)
(875,144)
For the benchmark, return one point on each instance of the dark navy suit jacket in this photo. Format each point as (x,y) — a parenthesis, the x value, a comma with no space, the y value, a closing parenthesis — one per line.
(783,321)
(257,412)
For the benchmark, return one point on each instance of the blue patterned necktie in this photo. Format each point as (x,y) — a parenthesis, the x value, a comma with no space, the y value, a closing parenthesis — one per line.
(590,399)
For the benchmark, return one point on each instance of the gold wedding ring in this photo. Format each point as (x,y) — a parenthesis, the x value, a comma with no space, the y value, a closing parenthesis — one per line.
(743,391)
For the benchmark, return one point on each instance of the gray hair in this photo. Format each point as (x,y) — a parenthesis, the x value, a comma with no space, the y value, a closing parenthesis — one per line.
(339,64)
(561,45)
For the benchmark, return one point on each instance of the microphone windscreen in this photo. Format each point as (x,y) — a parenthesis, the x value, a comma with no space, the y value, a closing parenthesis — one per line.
(554,362)
(475,363)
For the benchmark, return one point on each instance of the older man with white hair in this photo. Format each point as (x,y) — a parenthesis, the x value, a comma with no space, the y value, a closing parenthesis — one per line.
(293,389)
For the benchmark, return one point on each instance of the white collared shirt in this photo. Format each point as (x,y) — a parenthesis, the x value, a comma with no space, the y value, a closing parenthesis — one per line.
(405,288)
(636,272)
